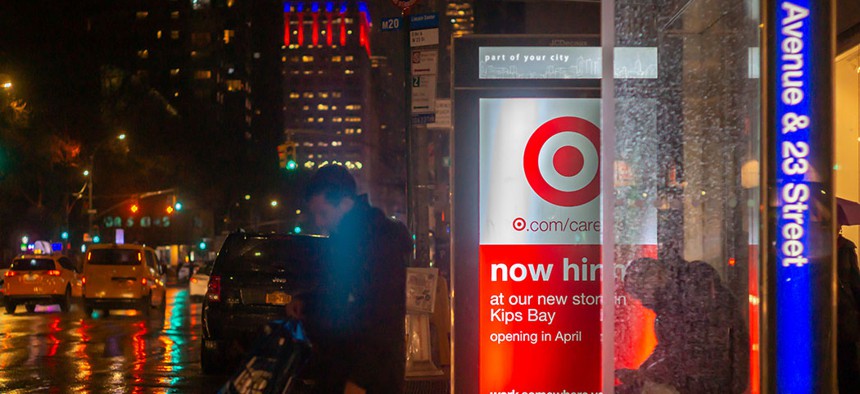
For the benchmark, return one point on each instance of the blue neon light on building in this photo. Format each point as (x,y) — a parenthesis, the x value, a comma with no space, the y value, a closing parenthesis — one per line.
(794,125)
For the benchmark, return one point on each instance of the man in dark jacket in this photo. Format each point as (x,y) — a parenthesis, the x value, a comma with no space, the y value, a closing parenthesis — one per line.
(356,319)
(848,312)
(702,339)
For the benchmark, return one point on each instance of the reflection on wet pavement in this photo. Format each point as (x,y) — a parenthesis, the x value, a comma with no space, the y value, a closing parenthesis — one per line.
(123,352)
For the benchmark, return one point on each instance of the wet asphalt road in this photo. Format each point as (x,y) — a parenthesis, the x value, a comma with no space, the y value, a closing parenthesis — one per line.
(53,352)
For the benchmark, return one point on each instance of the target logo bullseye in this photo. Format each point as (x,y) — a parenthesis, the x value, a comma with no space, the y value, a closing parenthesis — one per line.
(562,161)
(519,224)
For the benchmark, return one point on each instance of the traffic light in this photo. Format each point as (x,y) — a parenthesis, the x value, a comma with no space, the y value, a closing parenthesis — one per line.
(134,208)
(297,230)
(169,209)
(282,156)
(64,235)
(291,165)
(177,206)
(202,245)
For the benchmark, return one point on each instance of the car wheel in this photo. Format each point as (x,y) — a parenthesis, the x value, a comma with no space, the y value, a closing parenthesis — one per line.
(210,362)
(146,305)
(10,307)
(31,308)
(66,302)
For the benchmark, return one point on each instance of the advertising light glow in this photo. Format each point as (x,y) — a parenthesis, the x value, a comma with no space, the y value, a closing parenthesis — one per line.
(795,125)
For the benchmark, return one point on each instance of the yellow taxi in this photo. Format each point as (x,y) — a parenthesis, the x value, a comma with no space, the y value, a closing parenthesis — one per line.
(122,277)
(40,279)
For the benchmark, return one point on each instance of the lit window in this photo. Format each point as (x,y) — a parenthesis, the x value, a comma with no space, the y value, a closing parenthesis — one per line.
(334,107)
(284,59)
(348,72)
(174,72)
(349,131)
(357,131)
(322,107)
(158,34)
(202,74)
(143,53)
(349,58)
(230,3)
(174,34)
(294,59)
(234,85)
(322,144)
(309,72)
(320,72)
(323,94)
(294,95)
(306,108)
(228,35)
(294,72)
(349,32)
(337,119)
(308,95)
(142,14)
(307,59)
(336,94)
(174,15)
(335,59)
(193,53)
(353,107)
(308,144)
(310,120)
(353,119)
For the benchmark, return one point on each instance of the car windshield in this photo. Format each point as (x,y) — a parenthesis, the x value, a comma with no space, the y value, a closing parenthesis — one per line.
(114,257)
(269,254)
(33,265)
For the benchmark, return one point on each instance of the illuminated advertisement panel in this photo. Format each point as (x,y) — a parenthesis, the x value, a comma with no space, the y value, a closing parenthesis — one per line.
(539,232)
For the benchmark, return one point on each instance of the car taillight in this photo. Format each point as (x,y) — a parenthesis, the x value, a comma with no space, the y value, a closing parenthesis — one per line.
(83,280)
(193,280)
(10,273)
(143,281)
(213,291)
(53,273)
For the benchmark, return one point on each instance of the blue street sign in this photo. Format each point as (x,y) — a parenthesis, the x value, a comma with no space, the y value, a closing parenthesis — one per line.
(424,21)
(423,118)
(391,24)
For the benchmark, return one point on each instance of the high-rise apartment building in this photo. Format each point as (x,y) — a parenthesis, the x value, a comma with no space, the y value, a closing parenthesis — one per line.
(327,85)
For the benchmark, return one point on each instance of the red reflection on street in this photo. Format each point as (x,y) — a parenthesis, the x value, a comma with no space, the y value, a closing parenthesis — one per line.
(82,360)
(139,346)
(55,343)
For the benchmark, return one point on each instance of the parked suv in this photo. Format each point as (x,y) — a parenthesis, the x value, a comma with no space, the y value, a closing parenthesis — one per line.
(39,279)
(252,280)
(122,277)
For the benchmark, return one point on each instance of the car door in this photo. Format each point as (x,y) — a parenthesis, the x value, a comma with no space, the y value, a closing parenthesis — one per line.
(154,269)
(70,275)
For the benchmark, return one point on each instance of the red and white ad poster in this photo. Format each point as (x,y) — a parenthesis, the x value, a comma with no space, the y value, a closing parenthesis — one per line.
(540,269)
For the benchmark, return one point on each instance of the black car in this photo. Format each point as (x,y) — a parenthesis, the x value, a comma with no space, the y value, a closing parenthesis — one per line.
(252,280)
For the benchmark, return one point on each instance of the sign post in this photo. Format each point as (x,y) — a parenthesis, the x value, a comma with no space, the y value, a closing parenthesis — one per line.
(799,269)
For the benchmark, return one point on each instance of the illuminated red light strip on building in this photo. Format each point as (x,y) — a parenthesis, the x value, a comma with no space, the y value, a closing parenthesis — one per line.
(316,26)
(342,29)
(287,29)
(328,29)
(301,28)
(363,38)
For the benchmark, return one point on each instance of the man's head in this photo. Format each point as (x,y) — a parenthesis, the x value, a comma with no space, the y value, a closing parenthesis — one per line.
(330,194)
(646,280)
